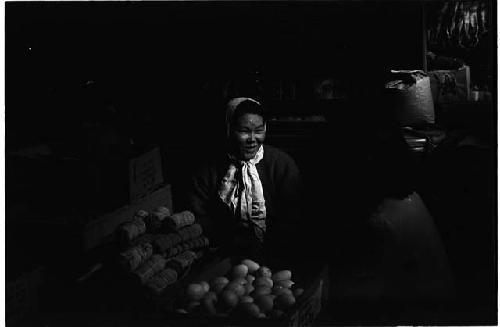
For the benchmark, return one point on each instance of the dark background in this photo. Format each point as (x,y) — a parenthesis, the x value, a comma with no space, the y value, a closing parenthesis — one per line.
(86,78)
(90,79)
(165,59)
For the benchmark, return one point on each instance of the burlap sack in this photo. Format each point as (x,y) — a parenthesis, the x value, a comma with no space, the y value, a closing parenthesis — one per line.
(411,97)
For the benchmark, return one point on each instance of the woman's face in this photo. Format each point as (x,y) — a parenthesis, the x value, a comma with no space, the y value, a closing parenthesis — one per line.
(248,134)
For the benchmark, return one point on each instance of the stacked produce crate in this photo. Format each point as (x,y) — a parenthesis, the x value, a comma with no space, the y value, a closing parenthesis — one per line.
(160,247)
(233,292)
(247,289)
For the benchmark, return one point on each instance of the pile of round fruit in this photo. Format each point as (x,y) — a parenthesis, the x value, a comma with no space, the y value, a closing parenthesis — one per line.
(248,289)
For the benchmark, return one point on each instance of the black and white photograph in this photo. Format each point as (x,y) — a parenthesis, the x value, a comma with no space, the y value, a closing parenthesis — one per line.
(250,163)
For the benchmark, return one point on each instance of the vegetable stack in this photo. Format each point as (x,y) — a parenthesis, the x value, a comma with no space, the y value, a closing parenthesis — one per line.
(248,290)
(159,247)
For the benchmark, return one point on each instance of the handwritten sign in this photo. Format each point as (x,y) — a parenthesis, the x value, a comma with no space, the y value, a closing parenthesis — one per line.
(145,174)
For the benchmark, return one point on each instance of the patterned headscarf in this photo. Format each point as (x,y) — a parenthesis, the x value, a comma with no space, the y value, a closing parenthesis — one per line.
(241,189)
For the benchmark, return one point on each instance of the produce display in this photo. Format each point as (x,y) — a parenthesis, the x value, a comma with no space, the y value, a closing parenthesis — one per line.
(155,220)
(161,280)
(136,255)
(156,259)
(150,267)
(181,219)
(159,248)
(132,229)
(247,290)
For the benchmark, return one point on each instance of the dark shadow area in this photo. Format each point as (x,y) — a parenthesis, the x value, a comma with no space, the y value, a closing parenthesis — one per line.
(91,86)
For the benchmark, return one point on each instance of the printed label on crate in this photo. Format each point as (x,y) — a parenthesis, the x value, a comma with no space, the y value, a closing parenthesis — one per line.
(309,310)
(145,174)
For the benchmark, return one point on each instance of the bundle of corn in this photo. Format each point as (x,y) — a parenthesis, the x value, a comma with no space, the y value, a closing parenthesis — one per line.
(133,257)
(160,246)
(144,238)
(181,219)
(185,234)
(149,268)
(165,242)
(175,267)
(161,280)
(130,230)
(182,261)
(143,222)
(155,221)
(194,244)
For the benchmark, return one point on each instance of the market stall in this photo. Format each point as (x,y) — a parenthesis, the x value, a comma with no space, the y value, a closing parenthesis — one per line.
(162,269)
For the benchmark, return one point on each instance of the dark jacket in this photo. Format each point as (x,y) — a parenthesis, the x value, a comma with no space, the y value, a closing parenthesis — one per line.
(281,183)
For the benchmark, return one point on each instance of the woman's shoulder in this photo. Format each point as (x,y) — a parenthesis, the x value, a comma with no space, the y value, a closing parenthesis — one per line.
(279,161)
(274,154)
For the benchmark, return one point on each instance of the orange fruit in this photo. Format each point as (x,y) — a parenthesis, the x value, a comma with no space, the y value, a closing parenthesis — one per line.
(298,292)
(240,270)
(252,265)
(284,283)
(263,281)
(194,292)
(237,288)
(246,299)
(282,275)
(264,272)
(250,309)
(229,299)
(265,303)
(262,290)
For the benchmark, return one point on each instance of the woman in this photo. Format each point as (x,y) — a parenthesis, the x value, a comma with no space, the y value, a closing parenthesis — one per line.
(251,191)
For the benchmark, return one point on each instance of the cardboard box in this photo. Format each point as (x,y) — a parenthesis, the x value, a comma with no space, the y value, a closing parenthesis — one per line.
(145,175)
(450,86)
